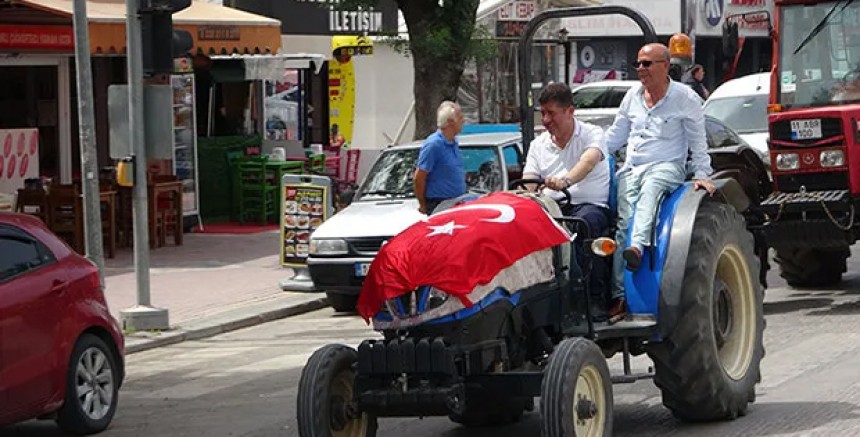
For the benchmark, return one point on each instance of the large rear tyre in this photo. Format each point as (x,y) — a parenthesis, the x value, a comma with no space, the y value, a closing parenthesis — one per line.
(324,406)
(812,267)
(708,366)
(576,392)
(342,303)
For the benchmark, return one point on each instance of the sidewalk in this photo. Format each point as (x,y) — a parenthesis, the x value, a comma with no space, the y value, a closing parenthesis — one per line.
(213,283)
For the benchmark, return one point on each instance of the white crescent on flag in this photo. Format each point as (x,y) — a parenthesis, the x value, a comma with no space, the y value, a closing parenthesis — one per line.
(506,212)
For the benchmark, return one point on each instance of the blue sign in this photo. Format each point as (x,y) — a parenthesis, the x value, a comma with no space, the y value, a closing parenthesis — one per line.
(714,11)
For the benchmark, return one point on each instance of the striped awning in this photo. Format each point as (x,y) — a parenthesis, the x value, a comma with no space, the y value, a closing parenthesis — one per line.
(216,30)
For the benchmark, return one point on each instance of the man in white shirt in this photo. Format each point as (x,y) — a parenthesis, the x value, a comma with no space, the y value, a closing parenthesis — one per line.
(569,155)
(663,125)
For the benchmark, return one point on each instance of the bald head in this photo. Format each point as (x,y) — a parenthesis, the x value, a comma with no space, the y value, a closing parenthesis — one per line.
(652,66)
(657,50)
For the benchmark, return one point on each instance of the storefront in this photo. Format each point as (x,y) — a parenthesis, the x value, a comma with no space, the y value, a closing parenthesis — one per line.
(37,69)
(706,19)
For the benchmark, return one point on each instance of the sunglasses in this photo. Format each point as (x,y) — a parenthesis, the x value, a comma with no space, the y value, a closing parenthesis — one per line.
(645,63)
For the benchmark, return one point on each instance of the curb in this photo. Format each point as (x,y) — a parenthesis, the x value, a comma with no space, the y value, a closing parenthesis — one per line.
(206,330)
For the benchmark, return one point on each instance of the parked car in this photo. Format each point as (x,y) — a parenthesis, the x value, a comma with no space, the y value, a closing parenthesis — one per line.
(343,247)
(61,351)
(741,104)
(598,102)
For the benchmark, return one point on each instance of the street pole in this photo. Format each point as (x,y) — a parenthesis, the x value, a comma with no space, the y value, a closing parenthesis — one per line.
(89,157)
(143,316)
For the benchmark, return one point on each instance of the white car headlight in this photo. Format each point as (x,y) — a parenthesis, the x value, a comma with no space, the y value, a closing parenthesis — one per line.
(832,158)
(787,161)
(328,247)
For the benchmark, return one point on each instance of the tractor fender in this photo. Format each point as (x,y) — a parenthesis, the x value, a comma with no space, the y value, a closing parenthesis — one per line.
(728,191)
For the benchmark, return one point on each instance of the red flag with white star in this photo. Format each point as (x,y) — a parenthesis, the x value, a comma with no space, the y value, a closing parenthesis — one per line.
(459,248)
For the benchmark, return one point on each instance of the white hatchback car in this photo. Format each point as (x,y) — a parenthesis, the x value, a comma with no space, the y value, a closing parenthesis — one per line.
(742,105)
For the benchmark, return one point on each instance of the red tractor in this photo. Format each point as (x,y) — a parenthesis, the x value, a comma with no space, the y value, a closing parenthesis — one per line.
(814,120)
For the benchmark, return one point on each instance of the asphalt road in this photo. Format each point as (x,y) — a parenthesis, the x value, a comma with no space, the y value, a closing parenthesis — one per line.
(244,383)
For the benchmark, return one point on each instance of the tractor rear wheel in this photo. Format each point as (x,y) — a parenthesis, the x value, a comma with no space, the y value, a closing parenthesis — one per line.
(812,267)
(708,365)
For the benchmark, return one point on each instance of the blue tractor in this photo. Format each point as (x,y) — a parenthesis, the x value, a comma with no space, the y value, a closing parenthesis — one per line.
(695,309)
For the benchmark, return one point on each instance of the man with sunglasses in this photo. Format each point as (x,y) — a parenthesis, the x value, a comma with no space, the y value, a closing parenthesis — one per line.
(662,124)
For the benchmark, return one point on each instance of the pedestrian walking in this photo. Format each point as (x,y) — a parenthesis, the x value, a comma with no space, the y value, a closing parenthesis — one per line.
(439,175)
(662,123)
(695,81)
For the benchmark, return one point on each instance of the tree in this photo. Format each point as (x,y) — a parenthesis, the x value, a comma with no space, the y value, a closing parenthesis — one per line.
(440,43)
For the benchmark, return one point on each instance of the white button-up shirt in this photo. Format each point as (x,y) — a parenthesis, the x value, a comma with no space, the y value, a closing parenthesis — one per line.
(666,132)
(545,159)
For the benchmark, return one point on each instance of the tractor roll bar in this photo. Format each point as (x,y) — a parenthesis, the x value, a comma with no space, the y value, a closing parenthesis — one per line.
(525,52)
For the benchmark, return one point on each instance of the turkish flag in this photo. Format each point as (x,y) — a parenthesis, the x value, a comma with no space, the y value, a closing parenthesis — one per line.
(459,248)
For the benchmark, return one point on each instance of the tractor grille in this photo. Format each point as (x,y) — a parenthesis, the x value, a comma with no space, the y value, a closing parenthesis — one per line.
(781,131)
(809,197)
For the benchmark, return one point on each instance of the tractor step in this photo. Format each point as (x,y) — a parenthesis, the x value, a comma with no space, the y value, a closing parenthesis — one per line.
(634,325)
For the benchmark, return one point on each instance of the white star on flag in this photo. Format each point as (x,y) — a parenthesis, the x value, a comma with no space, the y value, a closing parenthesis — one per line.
(447,228)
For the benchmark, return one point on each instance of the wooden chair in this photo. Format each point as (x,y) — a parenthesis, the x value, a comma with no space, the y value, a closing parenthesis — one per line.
(33,201)
(66,215)
(165,210)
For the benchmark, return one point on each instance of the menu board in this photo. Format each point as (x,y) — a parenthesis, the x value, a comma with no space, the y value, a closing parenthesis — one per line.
(304,210)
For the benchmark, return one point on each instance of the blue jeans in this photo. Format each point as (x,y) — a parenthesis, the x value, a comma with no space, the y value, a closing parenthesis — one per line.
(641,188)
(597,218)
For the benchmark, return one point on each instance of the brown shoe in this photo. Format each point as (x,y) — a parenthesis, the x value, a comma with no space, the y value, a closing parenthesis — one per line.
(633,256)
(618,310)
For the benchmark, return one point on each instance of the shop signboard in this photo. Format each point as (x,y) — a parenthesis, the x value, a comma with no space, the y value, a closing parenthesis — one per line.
(19,158)
(665,23)
(304,207)
(323,17)
(518,10)
(24,37)
(710,15)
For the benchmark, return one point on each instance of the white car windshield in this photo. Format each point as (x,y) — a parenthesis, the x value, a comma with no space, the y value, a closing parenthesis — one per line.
(744,114)
(392,174)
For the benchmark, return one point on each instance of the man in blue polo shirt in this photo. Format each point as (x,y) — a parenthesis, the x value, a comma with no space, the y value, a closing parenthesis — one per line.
(439,174)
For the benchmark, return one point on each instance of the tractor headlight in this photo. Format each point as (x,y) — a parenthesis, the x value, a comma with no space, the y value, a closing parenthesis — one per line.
(832,158)
(328,247)
(435,299)
(787,161)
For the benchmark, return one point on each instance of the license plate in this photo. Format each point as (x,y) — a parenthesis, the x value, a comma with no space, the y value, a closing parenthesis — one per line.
(361,269)
(806,129)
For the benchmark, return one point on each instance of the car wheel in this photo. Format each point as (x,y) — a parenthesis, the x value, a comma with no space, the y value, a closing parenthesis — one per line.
(92,387)
(342,303)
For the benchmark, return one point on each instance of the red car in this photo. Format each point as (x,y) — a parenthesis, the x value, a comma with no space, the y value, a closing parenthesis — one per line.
(61,351)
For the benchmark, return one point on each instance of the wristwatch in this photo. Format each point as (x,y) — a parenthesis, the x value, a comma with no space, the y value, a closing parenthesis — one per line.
(567,182)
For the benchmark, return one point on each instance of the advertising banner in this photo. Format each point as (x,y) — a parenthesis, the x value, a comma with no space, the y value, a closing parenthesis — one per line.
(19,158)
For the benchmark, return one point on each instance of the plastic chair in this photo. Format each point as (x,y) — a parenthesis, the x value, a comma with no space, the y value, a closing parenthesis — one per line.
(256,189)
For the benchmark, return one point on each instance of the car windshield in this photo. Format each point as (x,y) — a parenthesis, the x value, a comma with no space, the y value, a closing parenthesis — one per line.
(744,114)
(392,174)
(819,54)
(598,97)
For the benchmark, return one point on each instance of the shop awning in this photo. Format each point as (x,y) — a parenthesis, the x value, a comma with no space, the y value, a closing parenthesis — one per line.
(237,68)
(217,30)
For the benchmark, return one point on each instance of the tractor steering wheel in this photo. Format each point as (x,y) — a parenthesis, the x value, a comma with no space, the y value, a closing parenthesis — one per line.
(521,184)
